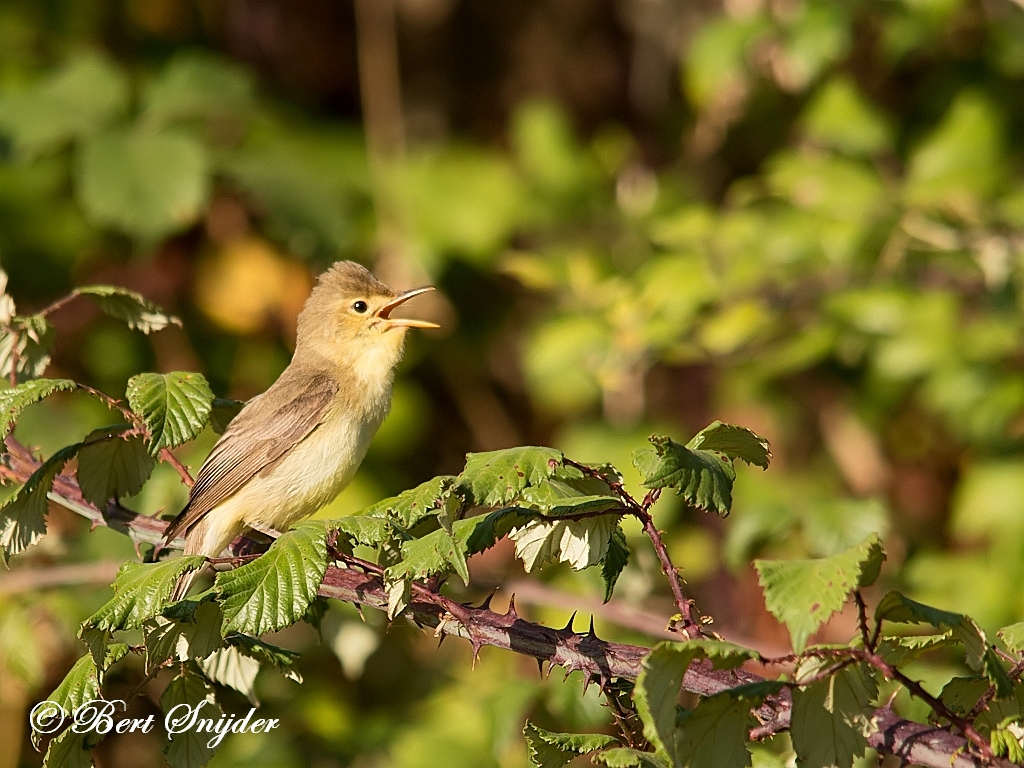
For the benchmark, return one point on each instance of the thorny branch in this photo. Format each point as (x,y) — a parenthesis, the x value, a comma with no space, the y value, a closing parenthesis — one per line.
(599,660)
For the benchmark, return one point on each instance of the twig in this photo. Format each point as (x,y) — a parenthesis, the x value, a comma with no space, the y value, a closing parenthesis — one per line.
(32,579)
(641,511)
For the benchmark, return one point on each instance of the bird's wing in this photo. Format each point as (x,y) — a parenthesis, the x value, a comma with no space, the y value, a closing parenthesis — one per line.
(262,433)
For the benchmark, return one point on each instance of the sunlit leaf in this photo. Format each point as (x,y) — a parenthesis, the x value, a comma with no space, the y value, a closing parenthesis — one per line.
(274,590)
(131,307)
(553,750)
(803,594)
(174,406)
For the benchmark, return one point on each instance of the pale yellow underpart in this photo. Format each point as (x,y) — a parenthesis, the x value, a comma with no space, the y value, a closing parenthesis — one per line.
(315,471)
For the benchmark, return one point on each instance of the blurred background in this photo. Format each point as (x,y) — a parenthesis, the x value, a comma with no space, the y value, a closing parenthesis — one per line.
(803,216)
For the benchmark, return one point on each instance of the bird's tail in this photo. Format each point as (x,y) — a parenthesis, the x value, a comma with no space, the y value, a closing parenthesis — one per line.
(183,585)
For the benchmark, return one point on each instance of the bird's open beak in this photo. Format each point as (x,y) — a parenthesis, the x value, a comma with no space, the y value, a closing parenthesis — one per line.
(384,313)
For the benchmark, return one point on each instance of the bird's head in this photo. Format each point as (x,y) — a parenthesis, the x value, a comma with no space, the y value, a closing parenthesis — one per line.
(347,320)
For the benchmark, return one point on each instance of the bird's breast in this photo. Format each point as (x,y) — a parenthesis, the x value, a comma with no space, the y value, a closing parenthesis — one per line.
(314,471)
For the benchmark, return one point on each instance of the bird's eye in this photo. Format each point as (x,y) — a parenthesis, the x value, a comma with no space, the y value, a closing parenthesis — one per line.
(360,307)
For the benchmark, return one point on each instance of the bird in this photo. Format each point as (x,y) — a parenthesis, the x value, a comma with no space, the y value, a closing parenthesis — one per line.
(293,448)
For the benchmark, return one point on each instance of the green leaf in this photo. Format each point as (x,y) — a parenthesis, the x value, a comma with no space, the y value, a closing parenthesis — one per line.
(141,592)
(898,650)
(436,552)
(897,608)
(656,693)
(624,757)
(147,184)
(73,102)
(714,735)
(183,640)
(735,442)
(409,507)
(556,498)
(82,683)
(553,750)
(499,477)
(112,464)
(266,654)
(362,529)
(702,478)
(196,85)
(14,401)
(70,750)
(133,308)
(229,667)
(832,718)
(188,747)
(803,594)
(222,412)
(25,346)
(23,515)
(615,560)
(274,590)
(483,531)
(721,654)
(580,543)
(174,406)
(1013,636)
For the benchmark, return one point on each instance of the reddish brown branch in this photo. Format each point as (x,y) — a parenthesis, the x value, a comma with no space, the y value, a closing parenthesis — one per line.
(598,659)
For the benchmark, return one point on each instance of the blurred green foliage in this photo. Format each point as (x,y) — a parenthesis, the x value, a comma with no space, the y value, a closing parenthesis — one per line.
(818,235)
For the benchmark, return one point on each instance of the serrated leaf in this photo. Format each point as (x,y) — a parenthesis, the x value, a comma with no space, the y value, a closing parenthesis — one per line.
(274,590)
(556,498)
(625,757)
(362,529)
(188,748)
(174,406)
(25,345)
(23,516)
(141,592)
(437,552)
(553,750)
(898,650)
(82,683)
(69,750)
(498,477)
(735,442)
(147,184)
(266,654)
(703,478)
(112,464)
(803,594)
(222,411)
(483,531)
(411,506)
(14,401)
(833,717)
(615,560)
(721,654)
(229,667)
(1013,636)
(399,595)
(656,693)
(980,657)
(133,308)
(183,640)
(714,735)
(580,543)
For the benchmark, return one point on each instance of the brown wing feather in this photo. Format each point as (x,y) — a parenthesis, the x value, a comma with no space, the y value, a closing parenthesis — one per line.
(262,433)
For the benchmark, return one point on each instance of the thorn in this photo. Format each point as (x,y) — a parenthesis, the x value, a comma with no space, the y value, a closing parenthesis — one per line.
(512,607)
(477,645)
(568,627)
(591,633)
(360,609)
(441,639)
(486,604)
(540,667)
